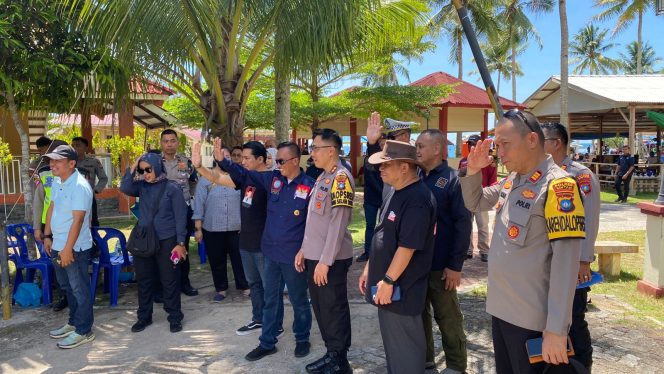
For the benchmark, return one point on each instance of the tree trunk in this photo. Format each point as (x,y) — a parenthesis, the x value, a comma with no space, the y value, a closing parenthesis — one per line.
(25,155)
(459,56)
(639,45)
(315,117)
(564,64)
(514,72)
(459,141)
(282,104)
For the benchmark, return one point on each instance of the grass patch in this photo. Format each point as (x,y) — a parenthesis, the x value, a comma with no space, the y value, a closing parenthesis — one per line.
(611,196)
(479,291)
(357,225)
(623,287)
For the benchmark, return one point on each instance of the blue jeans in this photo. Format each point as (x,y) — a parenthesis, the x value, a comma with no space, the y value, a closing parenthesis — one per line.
(74,280)
(370,213)
(253,264)
(275,273)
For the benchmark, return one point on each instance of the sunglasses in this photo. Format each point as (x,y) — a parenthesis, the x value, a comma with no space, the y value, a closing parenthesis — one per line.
(281,161)
(515,113)
(146,170)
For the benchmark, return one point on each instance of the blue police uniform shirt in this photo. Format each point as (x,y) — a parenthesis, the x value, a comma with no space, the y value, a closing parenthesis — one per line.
(453,222)
(286,209)
(624,162)
(74,194)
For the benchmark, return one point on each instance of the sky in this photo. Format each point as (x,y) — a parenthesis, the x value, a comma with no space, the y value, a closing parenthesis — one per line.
(538,65)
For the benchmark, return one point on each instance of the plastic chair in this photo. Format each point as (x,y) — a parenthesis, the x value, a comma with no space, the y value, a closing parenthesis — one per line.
(16,240)
(202,254)
(112,264)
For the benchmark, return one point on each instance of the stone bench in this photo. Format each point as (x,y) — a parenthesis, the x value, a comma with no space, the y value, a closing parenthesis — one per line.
(609,255)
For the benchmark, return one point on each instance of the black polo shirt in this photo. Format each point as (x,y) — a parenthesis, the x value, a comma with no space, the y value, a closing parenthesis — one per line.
(454,220)
(407,220)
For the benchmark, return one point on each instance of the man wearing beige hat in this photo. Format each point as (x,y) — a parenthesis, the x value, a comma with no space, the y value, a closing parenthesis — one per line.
(395,277)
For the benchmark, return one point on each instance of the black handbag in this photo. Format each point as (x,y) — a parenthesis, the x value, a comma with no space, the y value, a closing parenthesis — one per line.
(143,241)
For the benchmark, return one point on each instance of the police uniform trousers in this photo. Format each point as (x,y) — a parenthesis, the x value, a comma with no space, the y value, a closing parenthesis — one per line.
(403,341)
(330,305)
(579,333)
(447,313)
(509,345)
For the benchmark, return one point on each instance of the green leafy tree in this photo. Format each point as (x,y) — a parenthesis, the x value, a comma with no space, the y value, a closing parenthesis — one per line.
(499,60)
(589,52)
(43,65)
(649,59)
(228,44)
(626,11)
(5,154)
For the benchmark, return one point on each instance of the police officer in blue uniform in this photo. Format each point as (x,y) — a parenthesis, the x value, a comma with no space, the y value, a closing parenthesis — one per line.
(290,190)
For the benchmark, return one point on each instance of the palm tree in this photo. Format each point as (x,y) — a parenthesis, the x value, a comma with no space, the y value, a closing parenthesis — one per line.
(498,59)
(589,50)
(627,11)
(446,20)
(564,63)
(648,59)
(228,44)
(518,27)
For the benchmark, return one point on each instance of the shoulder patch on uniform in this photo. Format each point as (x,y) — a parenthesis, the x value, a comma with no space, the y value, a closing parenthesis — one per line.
(584,181)
(563,210)
(537,175)
(342,193)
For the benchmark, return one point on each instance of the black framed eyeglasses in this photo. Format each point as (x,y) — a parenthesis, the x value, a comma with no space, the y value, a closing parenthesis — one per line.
(281,161)
(515,113)
(146,170)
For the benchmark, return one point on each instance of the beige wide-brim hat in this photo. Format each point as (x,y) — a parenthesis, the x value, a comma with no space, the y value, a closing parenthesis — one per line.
(395,151)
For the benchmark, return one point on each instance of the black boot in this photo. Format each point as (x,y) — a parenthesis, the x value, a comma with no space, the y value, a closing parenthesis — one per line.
(338,365)
(61,304)
(318,365)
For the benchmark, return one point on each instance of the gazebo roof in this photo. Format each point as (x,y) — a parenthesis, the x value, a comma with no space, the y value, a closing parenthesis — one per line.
(466,95)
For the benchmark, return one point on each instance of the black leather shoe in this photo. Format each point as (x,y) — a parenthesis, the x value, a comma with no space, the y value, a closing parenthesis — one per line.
(60,305)
(189,291)
(259,352)
(364,257)
(484,257)
(317,366)
(176,326)
(469,256)
(140,325)
(302,349)
(339,365)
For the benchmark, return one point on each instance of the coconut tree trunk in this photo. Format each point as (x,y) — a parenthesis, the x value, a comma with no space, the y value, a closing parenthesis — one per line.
(282,103)
(514,72)
(639,45)
(25,155)
(315,98)
(564,64)
(459,56)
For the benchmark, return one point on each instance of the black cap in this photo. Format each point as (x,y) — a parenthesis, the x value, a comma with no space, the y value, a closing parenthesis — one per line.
(62,152)
(473,139)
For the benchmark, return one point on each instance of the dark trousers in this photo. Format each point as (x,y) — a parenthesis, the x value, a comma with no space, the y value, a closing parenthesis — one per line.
(75,282)
(509,345)
(95,217)
(220,245)
(403,341)
(447,313)
(330,305)
(370,214)
(159,270)
(579,332)
(620,182)
(184,264)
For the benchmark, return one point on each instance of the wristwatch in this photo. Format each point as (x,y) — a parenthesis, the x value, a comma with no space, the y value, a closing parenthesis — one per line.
(182,244)
(387,279)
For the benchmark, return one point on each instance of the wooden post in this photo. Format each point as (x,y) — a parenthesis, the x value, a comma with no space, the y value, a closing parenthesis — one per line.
(355,146)
(631,144)
(4,277)
(601,138)
(442,125)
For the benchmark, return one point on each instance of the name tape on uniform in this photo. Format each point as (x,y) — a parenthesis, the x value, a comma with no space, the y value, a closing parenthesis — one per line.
(564,210)
(341,192)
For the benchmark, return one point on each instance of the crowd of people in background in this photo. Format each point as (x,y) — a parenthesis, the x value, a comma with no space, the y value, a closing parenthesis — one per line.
(284,227)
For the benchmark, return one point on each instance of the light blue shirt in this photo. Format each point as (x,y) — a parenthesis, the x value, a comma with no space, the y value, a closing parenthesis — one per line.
(74,194)
(217,206)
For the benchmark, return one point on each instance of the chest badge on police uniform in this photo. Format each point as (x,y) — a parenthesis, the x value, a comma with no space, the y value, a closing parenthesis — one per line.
(513,232)
(528,194)
(508,185)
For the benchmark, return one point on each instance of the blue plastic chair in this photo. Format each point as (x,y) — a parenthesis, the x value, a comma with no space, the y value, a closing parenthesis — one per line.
(112,264)
(202,254)
(17,240)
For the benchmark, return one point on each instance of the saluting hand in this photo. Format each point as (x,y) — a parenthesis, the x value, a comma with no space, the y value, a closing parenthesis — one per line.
(374,128)
(479,157)
(299,261)
(196,158)
(218,154)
